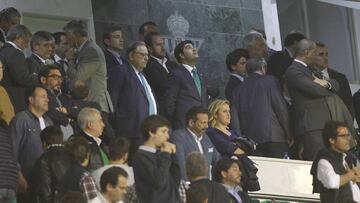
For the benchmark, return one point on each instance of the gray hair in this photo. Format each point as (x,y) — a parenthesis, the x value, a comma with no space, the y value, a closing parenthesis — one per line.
(86,115)
(40,37)
(196,165)
(17,31)
(305,45)
(77,27)
(133,47)
(250,39)
(255,64)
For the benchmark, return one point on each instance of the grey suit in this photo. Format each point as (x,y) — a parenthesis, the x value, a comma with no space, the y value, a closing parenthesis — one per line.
(311,110)
(90,67)
(185,144)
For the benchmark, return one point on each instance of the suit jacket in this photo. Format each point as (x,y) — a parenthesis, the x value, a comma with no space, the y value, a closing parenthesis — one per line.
(156,75)
(356,99)
(262,110)
(185,144)
(111,64)
(35,64)
(231,85)
(278,64)
(181,94)
(130,101)
(344,91)
(90,67)
(311,111)
(17,76)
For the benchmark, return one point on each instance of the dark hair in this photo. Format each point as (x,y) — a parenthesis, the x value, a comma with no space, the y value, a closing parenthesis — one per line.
(197,193)
(39,37)
(319,44)
(192,113)
(118,147)
(107,32)
(73,196)
(7,14)
(57,36)
(330,131)
(233,57)
(179,49)
(291,38)
(47,69)
(110,176)
(133,47)
(148,38)
(222,165)
(79,92)
(152,124)
(77,149)
(30,92)
(18,31)
(142,26)
(77,27)
(196,165)
(51,135)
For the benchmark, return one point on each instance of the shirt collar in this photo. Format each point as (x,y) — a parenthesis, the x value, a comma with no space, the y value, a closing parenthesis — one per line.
(96,139)
(136,70)
(41,59)
(147,149)
(302,62)
(194,136)
(289,52)
(235,189)
(58,58)
(14,45)
(240,77)
(189,68)
(161,61)
(117,54)
(82,45)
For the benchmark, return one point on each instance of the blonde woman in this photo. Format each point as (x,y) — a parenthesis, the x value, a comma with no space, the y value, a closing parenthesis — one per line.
(6,107)
(219,132)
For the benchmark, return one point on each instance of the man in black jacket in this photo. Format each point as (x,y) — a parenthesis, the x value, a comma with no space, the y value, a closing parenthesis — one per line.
(50,167)
(336,172)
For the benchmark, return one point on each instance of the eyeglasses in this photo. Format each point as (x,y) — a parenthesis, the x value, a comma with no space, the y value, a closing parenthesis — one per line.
(142,54)
(56,77)
(344,135)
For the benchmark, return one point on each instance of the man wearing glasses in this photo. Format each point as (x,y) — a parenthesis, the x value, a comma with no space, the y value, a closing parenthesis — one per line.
(336,171)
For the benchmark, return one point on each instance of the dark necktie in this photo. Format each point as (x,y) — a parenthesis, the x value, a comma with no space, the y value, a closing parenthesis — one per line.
(196,78)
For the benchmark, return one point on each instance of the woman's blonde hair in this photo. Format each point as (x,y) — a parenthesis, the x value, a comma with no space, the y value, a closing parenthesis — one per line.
(214,109)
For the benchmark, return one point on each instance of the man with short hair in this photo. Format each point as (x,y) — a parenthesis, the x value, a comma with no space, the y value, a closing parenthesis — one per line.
(91,124)
(197,171)
(262,111)
(185,87)
(50,167)
(25,129)
(113,41)
(193,138)
(132,95)
(255,44)
(42,46)
(17,76)
(336,172)
(157,176)
(227,172)
(146,28)
(8,17)
(158,66)
(308,93)
(89,65)
(322,64)
(281,60)
(113,185)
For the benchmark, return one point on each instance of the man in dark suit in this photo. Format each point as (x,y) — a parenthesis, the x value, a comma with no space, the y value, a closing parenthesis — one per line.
(235,63)
(185,86)
(41,44)
(193,138)
(146,28)
(8,17)
(281,60)
(158,66)
(262,111)
(308,93)
(62,52)
(322,64)
(17,76)
(89,65)
(132,95)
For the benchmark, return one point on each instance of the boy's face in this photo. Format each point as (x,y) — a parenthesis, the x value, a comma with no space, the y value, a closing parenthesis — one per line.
(160,136)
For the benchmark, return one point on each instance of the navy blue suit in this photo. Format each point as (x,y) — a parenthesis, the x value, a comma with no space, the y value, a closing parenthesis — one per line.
(130,102)
(181,94)
(185,144)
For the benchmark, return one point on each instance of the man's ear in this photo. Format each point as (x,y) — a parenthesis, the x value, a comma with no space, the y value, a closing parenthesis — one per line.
(107,42)
(332,140)
(43,80)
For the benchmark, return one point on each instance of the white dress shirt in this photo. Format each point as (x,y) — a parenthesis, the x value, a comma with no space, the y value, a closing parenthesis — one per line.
(197,140)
